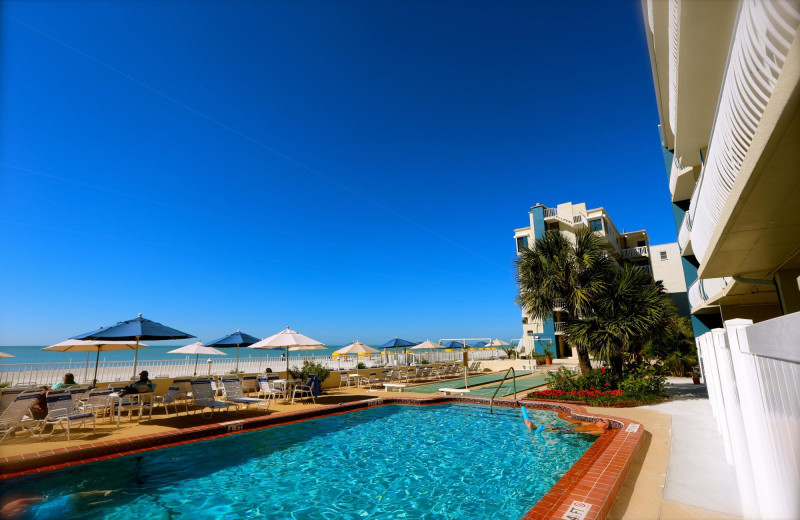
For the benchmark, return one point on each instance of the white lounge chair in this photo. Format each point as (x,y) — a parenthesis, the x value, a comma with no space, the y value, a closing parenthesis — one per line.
(60,412)
(172,397)
(203,396)
(98,401)
(14,418)
(232,390)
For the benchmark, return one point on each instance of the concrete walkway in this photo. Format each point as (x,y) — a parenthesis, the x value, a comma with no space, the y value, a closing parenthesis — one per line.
(683,455)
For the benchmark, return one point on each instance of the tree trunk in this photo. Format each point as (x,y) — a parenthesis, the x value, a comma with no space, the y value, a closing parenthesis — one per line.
(583,360)
(616,364)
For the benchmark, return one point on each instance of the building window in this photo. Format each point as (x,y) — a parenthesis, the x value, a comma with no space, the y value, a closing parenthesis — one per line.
(551,226)
(522,243)
(663,255)
(640,243)
(596,224)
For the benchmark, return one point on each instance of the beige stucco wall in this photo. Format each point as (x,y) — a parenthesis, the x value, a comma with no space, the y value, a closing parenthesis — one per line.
(669,271)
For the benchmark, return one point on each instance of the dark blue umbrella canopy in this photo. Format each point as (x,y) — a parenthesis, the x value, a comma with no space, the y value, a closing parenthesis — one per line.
(456,344)
(397,342)
(137,329)
(480,344)
(237,339)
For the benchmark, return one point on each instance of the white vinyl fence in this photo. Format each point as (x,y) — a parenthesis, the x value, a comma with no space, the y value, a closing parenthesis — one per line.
(15,374)
(753,377)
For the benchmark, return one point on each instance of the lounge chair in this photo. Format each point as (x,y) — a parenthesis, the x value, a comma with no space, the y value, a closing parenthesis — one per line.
(172,397)
(266,390)
(184,388)
(203,396)
(10,394)
(98,401)
(60,412)
(249,384)
(232,390)
(14,418)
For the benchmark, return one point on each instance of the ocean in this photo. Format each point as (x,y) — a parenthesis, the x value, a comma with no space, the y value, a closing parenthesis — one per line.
(35,354)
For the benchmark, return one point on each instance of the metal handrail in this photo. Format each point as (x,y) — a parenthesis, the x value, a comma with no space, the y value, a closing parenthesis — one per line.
(513,380)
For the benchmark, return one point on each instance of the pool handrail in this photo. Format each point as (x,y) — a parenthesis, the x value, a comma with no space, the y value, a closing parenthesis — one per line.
(514,382)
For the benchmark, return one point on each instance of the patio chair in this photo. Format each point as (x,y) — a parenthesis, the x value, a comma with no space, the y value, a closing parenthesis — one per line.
(249,384)
(344,378)
(60,412)
(13,418)
(98,401)
(266,389)
(306,389)
(172,397)
(232,390)
(135,402)
(10,394)
(204,397)
(371,379)
(184,385)
(78,395)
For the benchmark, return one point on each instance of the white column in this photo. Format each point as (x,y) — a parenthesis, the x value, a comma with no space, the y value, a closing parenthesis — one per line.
(736,427)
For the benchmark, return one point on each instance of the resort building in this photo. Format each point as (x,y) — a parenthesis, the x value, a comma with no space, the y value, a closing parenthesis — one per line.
(632,246)
(726,78)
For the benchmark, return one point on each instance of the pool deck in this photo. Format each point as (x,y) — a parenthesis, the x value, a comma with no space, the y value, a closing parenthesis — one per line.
(654,487)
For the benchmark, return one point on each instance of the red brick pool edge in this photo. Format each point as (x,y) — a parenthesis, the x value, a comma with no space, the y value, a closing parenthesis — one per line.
(586,492)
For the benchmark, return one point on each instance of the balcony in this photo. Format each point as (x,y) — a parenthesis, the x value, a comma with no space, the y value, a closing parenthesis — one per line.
(574,221)
(703,290)
(682,181)
(685,235)
(759,50)
(558,305)
(559,327)
(635,252)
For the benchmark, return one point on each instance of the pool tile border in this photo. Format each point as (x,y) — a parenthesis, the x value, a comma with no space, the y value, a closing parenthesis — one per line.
(594,480)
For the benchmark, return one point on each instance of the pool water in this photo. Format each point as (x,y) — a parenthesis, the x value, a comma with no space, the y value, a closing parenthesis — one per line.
(452,461)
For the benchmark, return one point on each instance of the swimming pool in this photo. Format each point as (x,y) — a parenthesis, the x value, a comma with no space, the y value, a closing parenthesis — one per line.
(450,461)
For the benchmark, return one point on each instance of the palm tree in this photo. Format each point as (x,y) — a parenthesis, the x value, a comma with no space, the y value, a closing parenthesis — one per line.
(625,315)
(556,270)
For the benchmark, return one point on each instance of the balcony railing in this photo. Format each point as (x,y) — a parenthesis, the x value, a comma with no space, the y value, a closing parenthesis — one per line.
(703,289)
(558,304)
(635,252)
(674,45)
(559,327)
(685,233)
(549,212)
(763,36)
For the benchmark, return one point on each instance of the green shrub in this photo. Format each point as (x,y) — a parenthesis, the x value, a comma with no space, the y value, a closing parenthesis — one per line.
(643,380)
(309,367)
(361,365)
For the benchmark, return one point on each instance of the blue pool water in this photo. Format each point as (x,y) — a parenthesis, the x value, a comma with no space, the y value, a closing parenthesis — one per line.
(413,462)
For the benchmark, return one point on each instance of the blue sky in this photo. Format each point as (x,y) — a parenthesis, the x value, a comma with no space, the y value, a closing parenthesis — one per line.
(353,169)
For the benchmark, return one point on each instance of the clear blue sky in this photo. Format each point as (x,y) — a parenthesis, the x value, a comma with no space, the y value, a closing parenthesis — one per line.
(354,169)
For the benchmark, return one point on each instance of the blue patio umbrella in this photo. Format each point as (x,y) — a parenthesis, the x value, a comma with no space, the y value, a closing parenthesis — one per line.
(480,344)
(456,344)
(135,330)
(237,339)
(396,342)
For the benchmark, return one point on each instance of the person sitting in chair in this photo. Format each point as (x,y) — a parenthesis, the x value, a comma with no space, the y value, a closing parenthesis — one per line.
(144,384)
(67,382)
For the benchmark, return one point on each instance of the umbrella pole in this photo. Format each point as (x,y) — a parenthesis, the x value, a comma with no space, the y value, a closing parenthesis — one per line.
(96,362)
(86,368)
(287,362)
(196,357)
(136,358)
(237,360)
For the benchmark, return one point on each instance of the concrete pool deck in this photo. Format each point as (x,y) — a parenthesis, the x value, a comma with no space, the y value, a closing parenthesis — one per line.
(654,488)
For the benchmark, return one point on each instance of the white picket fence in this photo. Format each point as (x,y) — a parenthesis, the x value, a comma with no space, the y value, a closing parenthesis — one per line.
(753,377)
(110,371)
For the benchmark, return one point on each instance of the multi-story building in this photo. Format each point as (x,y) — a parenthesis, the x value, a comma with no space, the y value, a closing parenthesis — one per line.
(631,246)
(726,78)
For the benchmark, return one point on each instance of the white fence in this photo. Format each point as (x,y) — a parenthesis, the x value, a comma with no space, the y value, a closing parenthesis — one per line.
(109,371)
(753,377)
